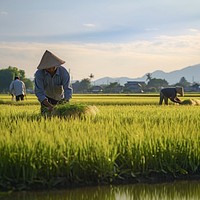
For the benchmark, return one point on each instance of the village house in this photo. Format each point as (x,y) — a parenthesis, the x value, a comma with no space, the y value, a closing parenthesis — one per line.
(134,86)
(192,88)
(96,89)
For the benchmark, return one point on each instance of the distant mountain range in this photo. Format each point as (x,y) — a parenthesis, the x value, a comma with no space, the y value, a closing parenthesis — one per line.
(191,74)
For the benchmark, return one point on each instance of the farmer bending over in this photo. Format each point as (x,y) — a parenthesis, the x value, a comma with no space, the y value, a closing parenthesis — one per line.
(52,82)
(18,89)
(171,93)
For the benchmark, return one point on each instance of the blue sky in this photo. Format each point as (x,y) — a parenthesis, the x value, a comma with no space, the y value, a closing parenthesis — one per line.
(107,38)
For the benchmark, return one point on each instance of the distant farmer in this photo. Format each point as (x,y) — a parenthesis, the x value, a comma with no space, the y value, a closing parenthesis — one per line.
(18,89)
(52,82)
(171,93)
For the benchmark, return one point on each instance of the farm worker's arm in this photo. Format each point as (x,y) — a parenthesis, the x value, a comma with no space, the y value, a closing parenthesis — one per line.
(48,105)
(39,90)
(24,88)
(178,90)
(175,100)
(11,88)
(66,84)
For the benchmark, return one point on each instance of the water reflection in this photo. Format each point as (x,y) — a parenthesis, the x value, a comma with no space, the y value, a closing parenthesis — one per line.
(176,191)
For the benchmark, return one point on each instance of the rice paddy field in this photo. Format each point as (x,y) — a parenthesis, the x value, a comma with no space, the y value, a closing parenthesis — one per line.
(130,139)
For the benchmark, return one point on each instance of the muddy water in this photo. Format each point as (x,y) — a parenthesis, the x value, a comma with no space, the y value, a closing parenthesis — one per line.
(176,191)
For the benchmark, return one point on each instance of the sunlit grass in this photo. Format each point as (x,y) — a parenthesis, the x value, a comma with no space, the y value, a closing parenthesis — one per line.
(92,99)
(121,143)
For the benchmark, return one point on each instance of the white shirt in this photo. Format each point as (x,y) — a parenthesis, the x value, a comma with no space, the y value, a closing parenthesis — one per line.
(17,87)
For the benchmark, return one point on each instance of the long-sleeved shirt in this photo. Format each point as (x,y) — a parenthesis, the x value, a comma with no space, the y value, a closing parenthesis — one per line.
(56,87)
(17,87)
(169,92)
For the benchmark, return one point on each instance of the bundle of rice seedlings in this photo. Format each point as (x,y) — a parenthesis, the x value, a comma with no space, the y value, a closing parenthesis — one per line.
(193,102)
(74,110)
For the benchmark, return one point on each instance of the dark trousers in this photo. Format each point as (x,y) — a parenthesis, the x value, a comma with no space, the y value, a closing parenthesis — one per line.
(20,97)
(163,97)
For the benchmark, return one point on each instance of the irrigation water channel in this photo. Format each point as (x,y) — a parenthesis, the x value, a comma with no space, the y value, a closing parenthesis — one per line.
(184,190)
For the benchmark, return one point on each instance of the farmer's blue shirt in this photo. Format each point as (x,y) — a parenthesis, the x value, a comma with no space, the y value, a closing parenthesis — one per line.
(56,87)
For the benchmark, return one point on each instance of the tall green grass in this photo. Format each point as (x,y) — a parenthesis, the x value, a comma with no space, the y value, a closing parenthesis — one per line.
(100,99)
(121,143)
(93,99)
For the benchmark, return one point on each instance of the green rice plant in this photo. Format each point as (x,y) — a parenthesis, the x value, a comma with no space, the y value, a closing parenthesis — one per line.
(73,110)
(92,100)
(122,143)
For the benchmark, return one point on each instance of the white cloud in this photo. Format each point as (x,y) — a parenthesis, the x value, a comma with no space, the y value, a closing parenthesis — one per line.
(89,25)
(193,30)
(133,59)
(3,13)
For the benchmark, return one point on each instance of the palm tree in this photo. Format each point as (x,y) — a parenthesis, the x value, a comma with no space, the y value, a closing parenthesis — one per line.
(149,77)
(91,76)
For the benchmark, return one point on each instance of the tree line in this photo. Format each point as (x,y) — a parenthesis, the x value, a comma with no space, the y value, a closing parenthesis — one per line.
(7,76)
(151,85)
(86,86)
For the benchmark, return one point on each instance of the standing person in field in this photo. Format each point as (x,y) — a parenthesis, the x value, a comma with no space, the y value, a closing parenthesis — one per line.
(52,82)
(18,89)
(171,93)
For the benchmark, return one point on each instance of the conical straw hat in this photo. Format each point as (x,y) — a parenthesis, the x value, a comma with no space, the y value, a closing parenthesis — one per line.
(180,90)
(49,60)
